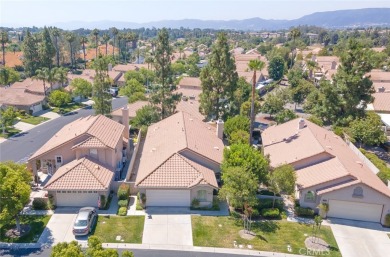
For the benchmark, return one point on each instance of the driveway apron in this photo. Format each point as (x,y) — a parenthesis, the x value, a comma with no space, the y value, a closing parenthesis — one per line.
(167,230)
(58,229)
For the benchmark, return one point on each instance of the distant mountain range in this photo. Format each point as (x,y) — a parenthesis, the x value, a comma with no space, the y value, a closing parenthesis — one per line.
(333,19)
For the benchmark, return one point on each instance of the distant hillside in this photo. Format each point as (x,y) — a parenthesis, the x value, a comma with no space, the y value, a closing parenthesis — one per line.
(333,19)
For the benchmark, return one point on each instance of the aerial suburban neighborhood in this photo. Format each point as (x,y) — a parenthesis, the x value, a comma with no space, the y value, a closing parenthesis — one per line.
(208,135)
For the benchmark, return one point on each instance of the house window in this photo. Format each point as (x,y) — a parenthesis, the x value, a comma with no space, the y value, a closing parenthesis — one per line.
(59,159)
(202,194)
(358,192)
(310,196)
(93,153)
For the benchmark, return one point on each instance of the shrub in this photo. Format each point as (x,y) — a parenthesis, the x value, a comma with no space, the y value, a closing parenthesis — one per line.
(270,213)
(50,202)
(216,204)
(143,198)
(235,215)
(122,211)
(138,206)
(123,203)
(123,192)
(255,213)
(384,171)
(267,192)
(387,220)
(40,204)
(304,212)
(195,203)
(267,203)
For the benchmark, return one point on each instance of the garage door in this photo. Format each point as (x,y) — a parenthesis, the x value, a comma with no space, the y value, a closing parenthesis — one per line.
(77,199)
(355,210)
(168,197)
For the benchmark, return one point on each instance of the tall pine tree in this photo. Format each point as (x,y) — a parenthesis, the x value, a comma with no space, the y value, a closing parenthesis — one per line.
(219,82)
(162,94)
(101,87)
(30,54)
(47,50)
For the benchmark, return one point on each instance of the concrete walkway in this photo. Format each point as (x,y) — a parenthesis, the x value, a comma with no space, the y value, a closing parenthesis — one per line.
(132,211)
(23,126)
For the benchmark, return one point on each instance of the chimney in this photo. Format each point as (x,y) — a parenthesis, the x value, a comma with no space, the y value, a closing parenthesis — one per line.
(301,123)
(125,120)
(220,125)
(381,90)
(109,67)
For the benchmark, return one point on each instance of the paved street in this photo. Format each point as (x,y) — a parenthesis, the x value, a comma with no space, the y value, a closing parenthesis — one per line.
(19,148)
(361,239)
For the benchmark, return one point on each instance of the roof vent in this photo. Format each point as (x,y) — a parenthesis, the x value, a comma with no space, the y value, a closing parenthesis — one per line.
(97,167)
(329,147)
(360,163)
(153,149)
(216,147)
(301,123)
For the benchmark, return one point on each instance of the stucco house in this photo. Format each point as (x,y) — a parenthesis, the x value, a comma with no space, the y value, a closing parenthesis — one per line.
(190,88)
(83,158)
(117,114)
(328,171)
(22,99)
(180,161)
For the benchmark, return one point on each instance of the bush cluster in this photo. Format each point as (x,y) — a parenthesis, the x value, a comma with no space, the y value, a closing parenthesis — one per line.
(122,211)
(40,204)
(270,213)
(267,203)
(123,203)
(304,212)
(387,220)
(123,192)
(384,171)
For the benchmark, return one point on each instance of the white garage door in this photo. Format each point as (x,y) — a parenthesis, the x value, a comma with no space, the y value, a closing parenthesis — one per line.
(77,199)
(167,197)
(355,210)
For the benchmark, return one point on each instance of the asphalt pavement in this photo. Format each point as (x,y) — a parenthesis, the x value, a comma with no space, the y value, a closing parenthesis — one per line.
(137,253)
(19,148)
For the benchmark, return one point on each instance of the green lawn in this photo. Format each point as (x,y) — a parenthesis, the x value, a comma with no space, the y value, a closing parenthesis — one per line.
(273,236)
(130,228)
(9,132)
(34,120)
(67,108)
(37,223)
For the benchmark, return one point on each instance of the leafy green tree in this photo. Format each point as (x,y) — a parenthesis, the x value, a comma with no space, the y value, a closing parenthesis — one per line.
(178,68)
(7,117)
(239,137)
(236,123)
(30,54)
(245,109)
(254,65)
(14,191)
(239,187)
(61,75)
(162,95)
(274,103)
(134,90)
(368,130)
(81,87)
(65,249)
(248,158)
(352,85)
(8,76)
(282,180)
(127,254)
(284,116)
(59,98)
(47,50)
(242,94)
(191,65)
(4,39)
(219,81)
(300,92)
(145,116)
(137,75)
(276,68)
(101,86)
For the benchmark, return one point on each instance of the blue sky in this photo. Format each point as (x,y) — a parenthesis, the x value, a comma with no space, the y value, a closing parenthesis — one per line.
(47,12)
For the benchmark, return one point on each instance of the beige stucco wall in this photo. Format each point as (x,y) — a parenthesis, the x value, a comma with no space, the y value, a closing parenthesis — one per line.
(369,196)
(209,196)
(314,205)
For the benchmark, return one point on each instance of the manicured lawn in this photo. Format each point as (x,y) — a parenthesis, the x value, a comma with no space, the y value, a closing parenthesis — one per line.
(9,132)
(273,236)
(130,228)
(34,120)
(37,223)
(67,108)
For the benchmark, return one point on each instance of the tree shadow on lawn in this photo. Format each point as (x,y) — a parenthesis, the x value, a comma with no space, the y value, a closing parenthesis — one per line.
(36,228)
(266,226)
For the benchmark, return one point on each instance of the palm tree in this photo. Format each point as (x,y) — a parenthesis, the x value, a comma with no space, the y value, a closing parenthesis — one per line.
(294,33)
(83,41)
(181,49)
(3,40)
(114,32)
(120,37)
(70,37)
(311,65)
(42,74)
(56,34)
(95,33)
(106,38)
(61,75)
(254,65)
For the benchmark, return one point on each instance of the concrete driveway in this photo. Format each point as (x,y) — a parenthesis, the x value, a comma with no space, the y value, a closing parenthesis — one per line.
(169,229)
(59,229)
(361,239)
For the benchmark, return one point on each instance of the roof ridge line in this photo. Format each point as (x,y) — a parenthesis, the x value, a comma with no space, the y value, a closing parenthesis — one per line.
(77,164)
(186,160)
(184,129)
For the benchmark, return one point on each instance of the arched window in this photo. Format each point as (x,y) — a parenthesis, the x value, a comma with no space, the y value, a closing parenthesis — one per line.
(202,195)
(310,196)
(358,192)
